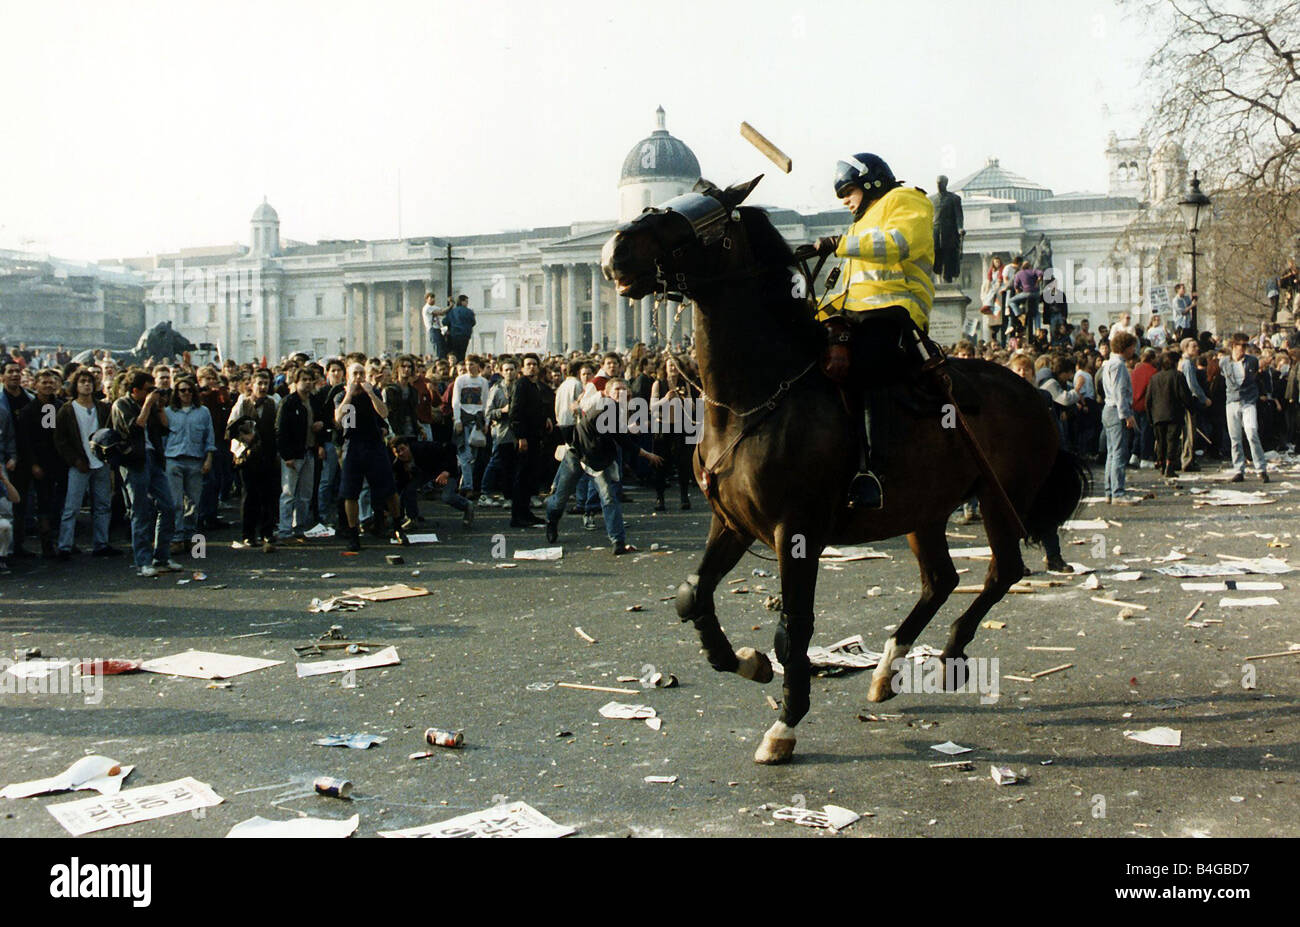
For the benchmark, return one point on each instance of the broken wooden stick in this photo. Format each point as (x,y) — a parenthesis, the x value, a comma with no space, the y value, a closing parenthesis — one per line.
(584,635)
(1192,614)
(1104,601)
(577,685)
(1047,672)
(1280,653)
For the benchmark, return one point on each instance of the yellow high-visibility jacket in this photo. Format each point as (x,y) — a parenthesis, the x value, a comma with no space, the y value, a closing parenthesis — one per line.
(888,258)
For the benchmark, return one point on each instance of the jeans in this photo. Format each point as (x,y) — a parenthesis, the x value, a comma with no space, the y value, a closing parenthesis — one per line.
(153,515)
(496,465)
(1244,417)
(466,456)
(216,483)
(585,496)
(100,484)
(327,499)
(436,346)
(295,494)
(566,478)
(185,477)
(257,510)
(1028,304)
(1116,450)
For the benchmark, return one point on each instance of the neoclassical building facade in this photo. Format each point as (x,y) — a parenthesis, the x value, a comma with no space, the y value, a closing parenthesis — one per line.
(274,296)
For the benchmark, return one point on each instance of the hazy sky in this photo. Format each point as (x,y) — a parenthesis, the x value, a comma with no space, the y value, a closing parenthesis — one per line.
(136,127)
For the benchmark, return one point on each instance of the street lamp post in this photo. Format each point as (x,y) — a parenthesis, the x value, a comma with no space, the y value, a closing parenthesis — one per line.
(1194,206)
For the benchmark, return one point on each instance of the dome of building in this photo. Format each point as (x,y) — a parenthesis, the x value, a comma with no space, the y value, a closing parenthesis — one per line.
(996,181)
(264,213)
(660,156)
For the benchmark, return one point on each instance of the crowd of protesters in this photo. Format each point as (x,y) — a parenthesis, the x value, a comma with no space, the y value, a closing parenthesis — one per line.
(1153,395)
(154,456)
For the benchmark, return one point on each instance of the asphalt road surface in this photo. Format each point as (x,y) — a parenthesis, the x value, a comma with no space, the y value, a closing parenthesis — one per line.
(472,648)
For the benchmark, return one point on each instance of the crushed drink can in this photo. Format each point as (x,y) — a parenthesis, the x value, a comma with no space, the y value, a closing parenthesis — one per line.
(437,737)
(334,788)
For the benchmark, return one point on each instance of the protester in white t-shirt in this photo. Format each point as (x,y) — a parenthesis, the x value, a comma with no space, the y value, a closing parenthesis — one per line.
(469,396)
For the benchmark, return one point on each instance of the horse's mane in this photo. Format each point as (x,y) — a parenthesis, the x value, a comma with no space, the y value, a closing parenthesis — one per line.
(776,258)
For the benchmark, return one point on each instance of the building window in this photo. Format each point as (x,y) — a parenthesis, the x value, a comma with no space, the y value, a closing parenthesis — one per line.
(320,305)
(289,307)
(519,296)
(212,312)
(185,315)
(487,297)
(537,295)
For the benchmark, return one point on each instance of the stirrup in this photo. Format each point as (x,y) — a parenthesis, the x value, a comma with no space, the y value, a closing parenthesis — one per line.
(865,492)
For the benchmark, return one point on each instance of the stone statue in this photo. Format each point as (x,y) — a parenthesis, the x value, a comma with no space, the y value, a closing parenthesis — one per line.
(949,229)
(1044,254)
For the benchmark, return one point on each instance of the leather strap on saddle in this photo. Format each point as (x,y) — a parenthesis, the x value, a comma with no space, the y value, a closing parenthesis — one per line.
(933,367)
(837,361)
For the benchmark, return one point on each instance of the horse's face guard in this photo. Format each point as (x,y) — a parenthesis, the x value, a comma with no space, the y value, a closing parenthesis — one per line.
(655,251)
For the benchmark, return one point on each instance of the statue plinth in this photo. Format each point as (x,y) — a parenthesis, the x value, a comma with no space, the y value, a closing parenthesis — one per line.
(948,317)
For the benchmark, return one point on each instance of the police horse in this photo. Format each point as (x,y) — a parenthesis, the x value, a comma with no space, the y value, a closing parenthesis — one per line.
(778,449)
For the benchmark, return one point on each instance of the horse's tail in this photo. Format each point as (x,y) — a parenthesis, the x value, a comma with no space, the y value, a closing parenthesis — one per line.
(1067,483)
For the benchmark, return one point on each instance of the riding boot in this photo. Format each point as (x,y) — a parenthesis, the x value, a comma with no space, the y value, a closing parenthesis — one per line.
(865,491)
(48,550)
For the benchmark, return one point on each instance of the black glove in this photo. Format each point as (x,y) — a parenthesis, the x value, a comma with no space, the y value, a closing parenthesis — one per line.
(828,244)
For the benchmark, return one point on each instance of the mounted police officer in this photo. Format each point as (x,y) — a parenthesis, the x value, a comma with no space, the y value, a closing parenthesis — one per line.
(880,304)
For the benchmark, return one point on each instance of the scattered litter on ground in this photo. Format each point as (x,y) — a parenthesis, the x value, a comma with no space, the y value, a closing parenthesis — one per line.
(386,657)
(1003,775)
(1128,576)
(955,764)
(387,593)
(1053,649)
(1084,524)
(333,788)
(1234,585)
(848,554)
(849,656)
(1157,736)
(585,636)
(394,559)
(660,780)
(108,667)
(654,723)
(993,625)
(772,603)
(328,575)
(635,608)
(831,817)
(439,737)
(200,664)
(773,703)
(145,803)
(658,680)
(428,538)
(355,741)
(1231,497)
(295,827)
(621,712)
(950,748)
(240,637)
(100,773)
(515,819)
(970,553)
(1170,557)
(344,603)
(541,553)
(320,531)
(1248,602)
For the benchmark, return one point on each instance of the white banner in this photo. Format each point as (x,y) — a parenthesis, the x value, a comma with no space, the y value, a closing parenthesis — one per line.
(1158,298)
(522,337)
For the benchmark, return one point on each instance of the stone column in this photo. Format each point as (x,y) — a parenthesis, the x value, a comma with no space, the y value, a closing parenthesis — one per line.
(597,323)
(234,307)
(620,322)
(272,346)
(404,308)
(557,307)
(548,306)
(362,340)
(572,320)
(647,329)
(347,314)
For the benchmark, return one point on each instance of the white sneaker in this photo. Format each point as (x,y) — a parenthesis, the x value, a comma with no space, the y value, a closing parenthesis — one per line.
(147,571)
(172,567)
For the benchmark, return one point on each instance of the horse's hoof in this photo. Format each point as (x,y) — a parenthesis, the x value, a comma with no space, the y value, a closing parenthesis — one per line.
(774,751)
(882,688)
(754,665)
